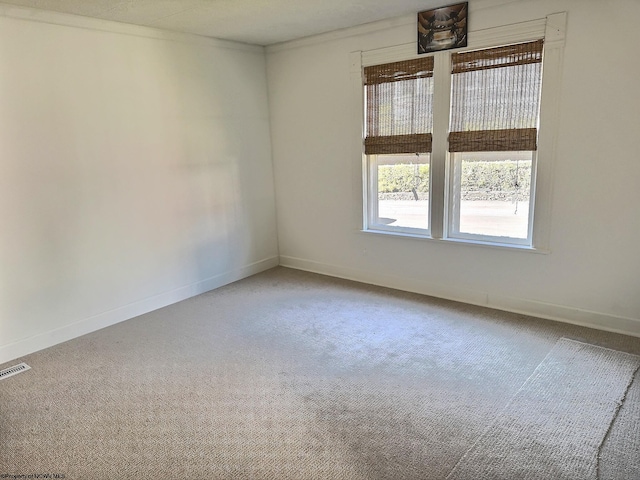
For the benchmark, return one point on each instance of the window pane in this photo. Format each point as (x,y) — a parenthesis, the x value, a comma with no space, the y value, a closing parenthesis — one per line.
(403,191)
(496,88)
(496,99)
(399,98)
(491,194)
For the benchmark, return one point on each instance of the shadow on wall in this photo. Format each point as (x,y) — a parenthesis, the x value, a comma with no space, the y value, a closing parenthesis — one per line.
(127,170)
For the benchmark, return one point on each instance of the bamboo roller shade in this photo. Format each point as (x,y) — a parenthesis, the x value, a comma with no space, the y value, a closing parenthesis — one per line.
(495,102)
(399,107)
(495,98)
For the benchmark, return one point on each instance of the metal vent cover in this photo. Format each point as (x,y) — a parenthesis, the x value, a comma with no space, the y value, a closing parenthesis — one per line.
(19,368)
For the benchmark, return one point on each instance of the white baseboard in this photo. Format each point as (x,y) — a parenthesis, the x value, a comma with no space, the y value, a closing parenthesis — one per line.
(43,340)
(561,313)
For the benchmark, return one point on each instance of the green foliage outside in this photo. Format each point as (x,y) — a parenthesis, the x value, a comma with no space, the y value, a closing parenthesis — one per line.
(496,176)
(476,177)
(403,178)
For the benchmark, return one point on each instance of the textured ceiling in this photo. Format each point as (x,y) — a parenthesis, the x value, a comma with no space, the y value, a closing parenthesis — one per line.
(261,22)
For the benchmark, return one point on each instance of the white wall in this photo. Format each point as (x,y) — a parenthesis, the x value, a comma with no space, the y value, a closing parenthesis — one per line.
(135,171)
(591,275)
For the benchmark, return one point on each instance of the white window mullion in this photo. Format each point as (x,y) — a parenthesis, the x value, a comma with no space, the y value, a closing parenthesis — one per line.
(373,188)
(438,169)
(454,180)
(532,196)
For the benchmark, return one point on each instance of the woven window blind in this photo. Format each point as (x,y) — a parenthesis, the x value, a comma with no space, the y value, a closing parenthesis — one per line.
(399,116)
(495,98)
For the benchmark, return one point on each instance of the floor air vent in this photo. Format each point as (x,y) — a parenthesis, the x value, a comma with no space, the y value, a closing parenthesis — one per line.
(8,372)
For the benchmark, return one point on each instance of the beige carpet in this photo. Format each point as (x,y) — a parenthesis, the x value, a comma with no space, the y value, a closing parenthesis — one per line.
(621,450)
(286,375)
(555,425)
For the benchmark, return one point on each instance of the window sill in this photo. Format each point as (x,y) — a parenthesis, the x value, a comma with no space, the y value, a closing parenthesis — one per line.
(458,241)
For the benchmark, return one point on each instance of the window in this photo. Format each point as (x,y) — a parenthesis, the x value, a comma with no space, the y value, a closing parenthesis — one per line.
(495,101)
(399,127)
(451,147)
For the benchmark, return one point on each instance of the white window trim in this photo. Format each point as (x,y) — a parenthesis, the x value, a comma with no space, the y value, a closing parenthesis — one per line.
(452,221)
(553,30)
(372,207)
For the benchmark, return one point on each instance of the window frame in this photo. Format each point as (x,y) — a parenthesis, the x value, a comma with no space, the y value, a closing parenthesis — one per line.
(552,30)
(373,212)
(454,211)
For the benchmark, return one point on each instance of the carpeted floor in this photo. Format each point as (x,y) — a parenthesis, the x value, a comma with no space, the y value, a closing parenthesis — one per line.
(292,375)
(555,425)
